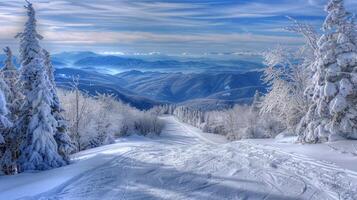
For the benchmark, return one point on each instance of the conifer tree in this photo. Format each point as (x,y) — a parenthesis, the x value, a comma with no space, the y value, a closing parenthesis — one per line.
(14,97)
(333,113)
(65,145)
(37,125)
(4,121)
(6,160)
(10,76)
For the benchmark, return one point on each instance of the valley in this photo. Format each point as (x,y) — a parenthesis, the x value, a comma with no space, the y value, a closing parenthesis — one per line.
(161,88)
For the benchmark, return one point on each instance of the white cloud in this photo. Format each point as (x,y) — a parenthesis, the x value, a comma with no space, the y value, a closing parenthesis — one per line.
(146,22)
(137,37)
(317,2)
(117,53)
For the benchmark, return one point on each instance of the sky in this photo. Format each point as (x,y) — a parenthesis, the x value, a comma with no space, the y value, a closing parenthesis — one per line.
(165,26)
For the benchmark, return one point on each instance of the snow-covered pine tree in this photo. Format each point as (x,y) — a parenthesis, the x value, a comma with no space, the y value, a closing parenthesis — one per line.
(333,113)
(10,75)
(8,81)
(4,121)
(36,125)
(3,85)
(6,161)
(4,90)
(65,145)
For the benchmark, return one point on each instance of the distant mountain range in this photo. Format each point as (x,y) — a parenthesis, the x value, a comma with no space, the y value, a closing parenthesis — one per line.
(112,64)
(73,56)
(181,87)
(145,83)
(94,82)
(146,89)
(163,65)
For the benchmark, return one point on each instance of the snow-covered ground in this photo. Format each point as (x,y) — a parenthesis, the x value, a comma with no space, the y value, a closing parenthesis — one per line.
(185,163)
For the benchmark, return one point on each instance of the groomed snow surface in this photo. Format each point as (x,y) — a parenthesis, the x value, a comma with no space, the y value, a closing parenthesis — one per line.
(185,163)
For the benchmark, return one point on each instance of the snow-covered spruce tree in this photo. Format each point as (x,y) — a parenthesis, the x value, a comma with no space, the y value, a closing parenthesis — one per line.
(4,121)
(10,75)
(36,125)
(6,160)
(64,143)
(333,113)
(9,85)
(4,88)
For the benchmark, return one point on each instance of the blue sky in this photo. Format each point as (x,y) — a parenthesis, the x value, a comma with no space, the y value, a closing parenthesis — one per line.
(169,27)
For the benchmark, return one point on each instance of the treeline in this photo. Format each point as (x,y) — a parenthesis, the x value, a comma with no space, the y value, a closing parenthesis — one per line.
(312,92)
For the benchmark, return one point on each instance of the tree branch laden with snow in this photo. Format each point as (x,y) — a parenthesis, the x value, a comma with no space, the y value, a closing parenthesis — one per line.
(333,113)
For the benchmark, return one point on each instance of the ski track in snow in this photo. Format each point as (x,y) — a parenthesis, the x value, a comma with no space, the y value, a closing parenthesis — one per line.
(185,163)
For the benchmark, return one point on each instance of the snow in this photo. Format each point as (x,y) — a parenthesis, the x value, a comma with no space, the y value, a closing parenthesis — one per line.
(338,104)
(342,153)
(185,163)
(346,87)
(330,89)
(29,184)
(347,59)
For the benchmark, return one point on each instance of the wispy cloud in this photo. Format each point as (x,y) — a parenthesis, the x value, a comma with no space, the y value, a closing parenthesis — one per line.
(137,37)
(148,24)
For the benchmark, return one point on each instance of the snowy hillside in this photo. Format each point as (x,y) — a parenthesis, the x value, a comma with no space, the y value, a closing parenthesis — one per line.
(187,164)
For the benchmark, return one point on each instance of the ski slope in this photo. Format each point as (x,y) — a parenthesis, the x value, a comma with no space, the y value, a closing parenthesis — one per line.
(185,163)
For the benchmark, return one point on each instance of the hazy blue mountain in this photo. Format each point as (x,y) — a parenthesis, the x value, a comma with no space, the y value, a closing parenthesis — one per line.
(94,82)
(58,63)
(205,84)
(162,63)
(71,57)
(181,87)
(90,75)
(169,65)
(146,89)
(109,61)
